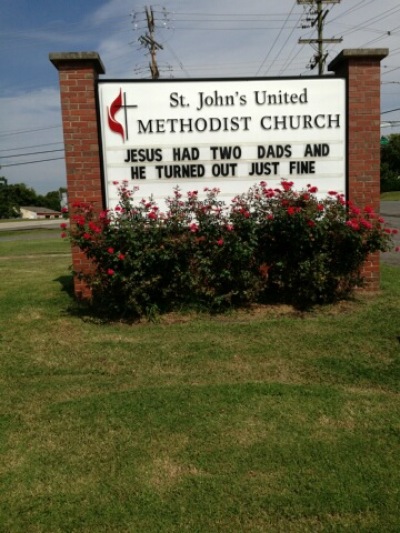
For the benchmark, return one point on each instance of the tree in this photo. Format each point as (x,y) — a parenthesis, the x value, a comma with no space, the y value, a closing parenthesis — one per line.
(390,164)
(51,200)
(12,197)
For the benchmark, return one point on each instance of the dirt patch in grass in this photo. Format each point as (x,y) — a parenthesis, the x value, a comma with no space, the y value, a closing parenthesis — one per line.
(261,311)
(165,473)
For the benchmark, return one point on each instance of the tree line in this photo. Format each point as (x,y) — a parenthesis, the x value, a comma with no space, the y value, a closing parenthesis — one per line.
(390,163)
(13,197)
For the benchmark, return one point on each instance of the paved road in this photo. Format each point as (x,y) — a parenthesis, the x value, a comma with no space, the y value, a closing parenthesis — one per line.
(390,208)
(390,211)
(25,227)
(31,224)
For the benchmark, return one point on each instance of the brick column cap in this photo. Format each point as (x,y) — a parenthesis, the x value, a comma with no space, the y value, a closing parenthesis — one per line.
(60,59)
(358,53)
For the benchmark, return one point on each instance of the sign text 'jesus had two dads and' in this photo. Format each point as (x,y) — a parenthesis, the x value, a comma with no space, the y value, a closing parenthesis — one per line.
(228,134)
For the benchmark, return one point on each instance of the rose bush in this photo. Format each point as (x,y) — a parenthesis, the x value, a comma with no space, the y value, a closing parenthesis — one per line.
(268,244)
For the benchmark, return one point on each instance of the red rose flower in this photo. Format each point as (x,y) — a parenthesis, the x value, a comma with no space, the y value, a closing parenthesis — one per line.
(287,185)
(366,224)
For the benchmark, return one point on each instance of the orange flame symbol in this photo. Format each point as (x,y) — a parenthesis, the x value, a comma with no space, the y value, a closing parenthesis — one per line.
(112,111)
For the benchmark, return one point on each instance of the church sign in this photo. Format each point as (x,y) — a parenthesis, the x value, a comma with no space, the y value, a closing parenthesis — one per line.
(229,134)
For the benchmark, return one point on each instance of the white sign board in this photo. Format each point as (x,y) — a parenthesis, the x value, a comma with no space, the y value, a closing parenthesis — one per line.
(228,134)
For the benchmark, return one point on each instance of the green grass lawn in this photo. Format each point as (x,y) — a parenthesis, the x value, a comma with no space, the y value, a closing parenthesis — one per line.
(259,421)
(394,195)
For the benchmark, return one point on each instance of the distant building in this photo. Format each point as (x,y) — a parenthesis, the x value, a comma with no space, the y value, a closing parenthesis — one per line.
(38,213)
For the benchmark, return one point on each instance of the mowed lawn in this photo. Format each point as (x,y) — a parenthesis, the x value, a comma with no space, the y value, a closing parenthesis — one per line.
(255,421)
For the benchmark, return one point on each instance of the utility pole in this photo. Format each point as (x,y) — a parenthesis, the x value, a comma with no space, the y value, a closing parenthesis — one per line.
(150,43)
(319,17)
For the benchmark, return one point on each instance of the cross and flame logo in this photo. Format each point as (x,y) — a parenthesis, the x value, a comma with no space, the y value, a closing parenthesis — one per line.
(112,111)
(116,105)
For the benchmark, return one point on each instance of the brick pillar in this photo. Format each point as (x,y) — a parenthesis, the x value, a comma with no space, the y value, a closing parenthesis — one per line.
(361,68)
(78,72)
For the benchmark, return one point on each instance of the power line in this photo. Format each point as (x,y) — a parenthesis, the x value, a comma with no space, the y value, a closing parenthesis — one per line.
(237,15)
(18,132)
(31,146)
(390,110)
(377,39)
(274,43)
(31,153)
(320,15)
(31,162)
(382,16)
(241,19)
(391,70)
(283,46)
(177,59)
(257,28)
(291,57)
(362,5)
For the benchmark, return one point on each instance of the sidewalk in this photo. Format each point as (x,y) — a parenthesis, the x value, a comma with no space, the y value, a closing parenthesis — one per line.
(390,211)
(31,224)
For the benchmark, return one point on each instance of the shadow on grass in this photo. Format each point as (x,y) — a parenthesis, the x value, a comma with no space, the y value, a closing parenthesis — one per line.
(67,284)
(98,313)
(80,308)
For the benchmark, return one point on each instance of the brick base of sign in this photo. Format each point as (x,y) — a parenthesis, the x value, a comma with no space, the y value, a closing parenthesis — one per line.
(361,68)
(371,273)
(78,72)
(81,264)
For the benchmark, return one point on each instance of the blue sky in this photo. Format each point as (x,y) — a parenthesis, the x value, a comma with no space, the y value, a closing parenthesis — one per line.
(201,38)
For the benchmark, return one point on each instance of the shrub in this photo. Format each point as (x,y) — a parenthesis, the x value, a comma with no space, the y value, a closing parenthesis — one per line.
(200,253)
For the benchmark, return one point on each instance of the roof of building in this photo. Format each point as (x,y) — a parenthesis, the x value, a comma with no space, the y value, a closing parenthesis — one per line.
(40,210)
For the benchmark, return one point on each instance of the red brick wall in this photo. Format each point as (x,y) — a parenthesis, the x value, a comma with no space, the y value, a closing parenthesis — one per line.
(364,146)
(362,70)
(81,138)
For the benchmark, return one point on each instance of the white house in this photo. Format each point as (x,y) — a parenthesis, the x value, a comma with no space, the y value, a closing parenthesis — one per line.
(38,213)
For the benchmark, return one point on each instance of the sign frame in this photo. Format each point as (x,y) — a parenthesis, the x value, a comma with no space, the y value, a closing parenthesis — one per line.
(289,97)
